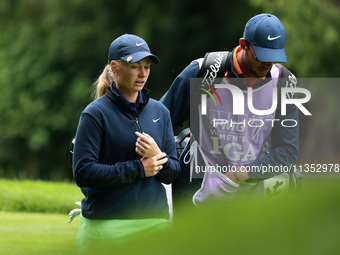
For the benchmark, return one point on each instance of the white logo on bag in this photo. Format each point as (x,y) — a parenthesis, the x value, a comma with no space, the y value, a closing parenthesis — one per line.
(211,74)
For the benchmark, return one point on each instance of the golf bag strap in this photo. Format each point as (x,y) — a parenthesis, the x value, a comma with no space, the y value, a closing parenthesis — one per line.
(69,150)
(214,66)
(181,136)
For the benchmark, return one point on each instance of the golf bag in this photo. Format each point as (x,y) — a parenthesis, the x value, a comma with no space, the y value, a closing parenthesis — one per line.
(213,69)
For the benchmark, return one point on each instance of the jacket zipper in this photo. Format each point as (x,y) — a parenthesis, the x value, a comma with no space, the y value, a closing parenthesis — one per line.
(138,124)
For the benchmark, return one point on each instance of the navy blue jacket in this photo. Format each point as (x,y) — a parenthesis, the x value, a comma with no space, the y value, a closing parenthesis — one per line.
(105,163)
(284,141)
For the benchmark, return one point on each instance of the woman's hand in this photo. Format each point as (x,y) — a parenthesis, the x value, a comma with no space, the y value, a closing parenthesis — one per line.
(153,165)
(146,146)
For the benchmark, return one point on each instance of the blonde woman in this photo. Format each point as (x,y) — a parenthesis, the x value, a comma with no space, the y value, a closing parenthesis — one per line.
(124,150)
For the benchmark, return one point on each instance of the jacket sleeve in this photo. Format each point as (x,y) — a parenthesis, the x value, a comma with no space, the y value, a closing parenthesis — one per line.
(87,170)
(171,168)
(284,141)
(177,98)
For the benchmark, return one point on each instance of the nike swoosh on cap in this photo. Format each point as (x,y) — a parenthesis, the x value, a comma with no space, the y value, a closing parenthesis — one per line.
(139,44)
(273,38)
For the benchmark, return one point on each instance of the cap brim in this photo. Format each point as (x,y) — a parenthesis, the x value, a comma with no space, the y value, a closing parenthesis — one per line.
(138,56)
(270,55)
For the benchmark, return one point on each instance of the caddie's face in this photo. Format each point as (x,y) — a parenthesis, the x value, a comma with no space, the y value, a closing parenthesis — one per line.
(132,77)
(255,67)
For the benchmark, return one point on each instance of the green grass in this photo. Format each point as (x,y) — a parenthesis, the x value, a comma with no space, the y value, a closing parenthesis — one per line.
(297,224)
(34,217)
(36,233)
(38,196)
(304,223)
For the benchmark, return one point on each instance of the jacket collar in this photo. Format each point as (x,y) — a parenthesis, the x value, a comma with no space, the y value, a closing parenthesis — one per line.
(143,98)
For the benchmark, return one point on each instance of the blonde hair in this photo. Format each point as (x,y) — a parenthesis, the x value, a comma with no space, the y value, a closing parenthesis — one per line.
(104,80)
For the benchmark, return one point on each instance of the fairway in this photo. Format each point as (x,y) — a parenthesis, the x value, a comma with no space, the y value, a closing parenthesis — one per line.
(303,223)
(35,233)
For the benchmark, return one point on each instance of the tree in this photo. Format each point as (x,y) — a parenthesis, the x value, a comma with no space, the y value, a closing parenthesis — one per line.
(52,51)
(45,82)
(313,35)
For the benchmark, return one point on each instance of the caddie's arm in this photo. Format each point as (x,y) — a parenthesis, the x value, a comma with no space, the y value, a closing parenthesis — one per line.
(239,175)
(177,98)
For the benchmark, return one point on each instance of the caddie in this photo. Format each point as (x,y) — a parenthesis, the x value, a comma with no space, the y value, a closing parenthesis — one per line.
(247,146)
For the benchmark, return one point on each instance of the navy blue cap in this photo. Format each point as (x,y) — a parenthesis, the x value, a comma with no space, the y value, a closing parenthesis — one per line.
(268,37)
(130,48)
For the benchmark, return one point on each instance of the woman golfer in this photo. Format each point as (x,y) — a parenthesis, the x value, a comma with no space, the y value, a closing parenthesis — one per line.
(124,150)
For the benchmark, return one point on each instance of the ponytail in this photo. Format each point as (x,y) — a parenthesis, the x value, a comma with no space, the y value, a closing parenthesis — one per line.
(103,82)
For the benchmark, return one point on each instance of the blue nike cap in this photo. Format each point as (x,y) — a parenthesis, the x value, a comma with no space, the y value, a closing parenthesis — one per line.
(130,48)
(267,35)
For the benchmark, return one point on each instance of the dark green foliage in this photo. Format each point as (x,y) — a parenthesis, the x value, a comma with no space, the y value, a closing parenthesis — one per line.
(52,51)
